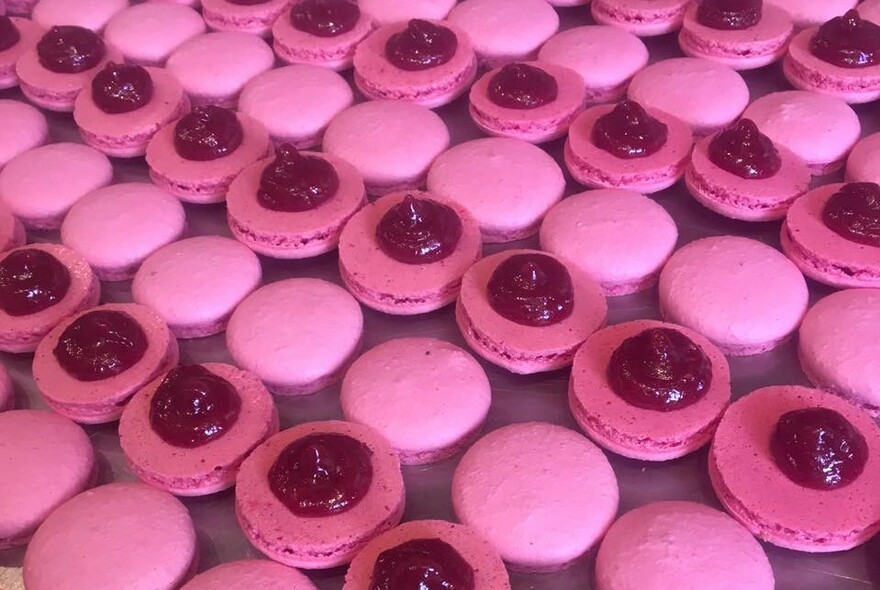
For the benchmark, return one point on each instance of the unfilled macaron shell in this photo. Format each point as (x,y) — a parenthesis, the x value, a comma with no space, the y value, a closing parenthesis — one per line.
(863,164)
(148,33)
(91,14)
(249,574)
(7,390)
(811,14)
(384,12)
(24,126)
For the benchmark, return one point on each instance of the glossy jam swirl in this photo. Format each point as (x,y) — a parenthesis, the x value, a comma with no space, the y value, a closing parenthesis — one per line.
(628,132)
(418,231)
(848,41)
(854,213)
(521,86)
(294,182)
(744,151)
(729,15)
(207,133)
(660,369)
(818,448)
(420,46)
(31,280)
(193,406)
(532,290)
(122,88)
(100,344)
(70,49)
(322,474)
(325,18)
(422,564)
(9,33)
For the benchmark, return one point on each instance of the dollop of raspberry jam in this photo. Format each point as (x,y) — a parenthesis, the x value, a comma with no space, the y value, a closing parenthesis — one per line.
(294,182)
(9,34)
(207,133)
(729,15)
(628,132)
(422,564)
(121,88)
(744,151)
(818,448)
(420,46)
(193,406)
(325,18)
(522,87)
(854,213)
(418,231)
(100,344)
(322,474)
(847,41)
(532,290)
(660,369)
(31,280)
(70,49)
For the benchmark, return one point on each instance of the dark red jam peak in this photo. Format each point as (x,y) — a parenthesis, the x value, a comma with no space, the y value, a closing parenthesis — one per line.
(660,369)
(100,344)
(9,33)
(121,88)
(420,46)
(294,182)
(31,280)
(418,231)
(70,49)
(532,290)
(521,86)
(729,15)
(744,151)
(322,474)
(854,213)
(193,406)
(422,564)
(325,18)
(818,448)
(848,41)
(628,131)
(207,133)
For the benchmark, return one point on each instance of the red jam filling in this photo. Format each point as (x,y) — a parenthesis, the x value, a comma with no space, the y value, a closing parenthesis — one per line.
(193,406)
(729,15)
(207,133)
(422,564)
(532,290)
(420,46)
(70,49)
(31,280)
(660,369)
(294,182)
(322,474)
(818,448)
(522,87)
(418,231)
(744,151)
(847,41)
(121,88)
(325,18)
(628,132)
(9,34)
(100,344)
(854,213)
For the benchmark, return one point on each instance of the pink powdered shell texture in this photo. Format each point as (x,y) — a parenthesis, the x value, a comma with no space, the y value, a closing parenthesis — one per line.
(196,283)
(102,401)
(52,459)
(821,253)
(25,128)
(863,164)
(390,286)
(774,508)
(645,18)
(300,234)
(741,294)
(813,14)
(148,33)
(248,574)
(541,494)
(427,397)
(30,34)
(113,537)
(91,14)
(385,12)
(489,572)
(655,543)
(326,542)
(209,468)
(7,390)
(634,432)
(256,19)
(12,234)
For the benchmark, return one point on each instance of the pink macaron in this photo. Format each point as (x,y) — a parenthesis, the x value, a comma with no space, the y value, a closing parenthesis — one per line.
(863,164)
(645,18)
(7,390)
(314,495)
(18,35)
(244,574)
(869,9)
(19,7)
(91,14)
(26,128)
(385,12)
(149,32)
(256,18)
(12,234)
(743,295)
(541,494)
(813,14)
(799,467)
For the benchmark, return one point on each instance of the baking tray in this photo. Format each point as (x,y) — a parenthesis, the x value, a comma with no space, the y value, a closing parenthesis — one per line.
(515,398)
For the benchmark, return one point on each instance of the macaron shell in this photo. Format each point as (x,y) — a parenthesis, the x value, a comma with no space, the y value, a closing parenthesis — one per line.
(256,19)
(26,128)
(29,34)
(91,14)
(148,33)
(248,574)
(12,234)
(811,14)
(299,47)
(863,164)
(869,9)
(384,12)
(645,18)
(7,390)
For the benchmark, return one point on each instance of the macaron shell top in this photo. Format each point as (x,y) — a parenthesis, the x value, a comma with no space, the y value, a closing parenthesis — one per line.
(25,128)
(249,574)
(811,13)
(29,35)
(12,234)
(863,164)
(869,9)
(148,33)
(645,18)
(253,18)
(384,12)
(91,14)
